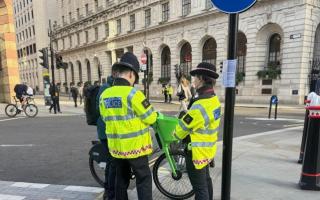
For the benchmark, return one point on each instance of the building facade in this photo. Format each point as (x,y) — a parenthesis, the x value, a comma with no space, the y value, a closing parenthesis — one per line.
(9,74)
(277,42)
(32,23)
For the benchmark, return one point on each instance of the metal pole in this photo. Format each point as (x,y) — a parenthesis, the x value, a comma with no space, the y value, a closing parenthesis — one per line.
(270,107)
(276,111)
(52,69)
(229,113)
(147,80)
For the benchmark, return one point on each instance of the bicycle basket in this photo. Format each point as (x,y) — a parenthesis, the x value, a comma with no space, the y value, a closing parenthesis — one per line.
(165,128)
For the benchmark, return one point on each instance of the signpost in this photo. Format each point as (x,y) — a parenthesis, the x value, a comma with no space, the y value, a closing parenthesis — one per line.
(231,7)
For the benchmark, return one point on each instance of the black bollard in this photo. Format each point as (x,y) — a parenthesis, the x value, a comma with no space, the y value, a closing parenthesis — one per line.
(304,134)
(273,100)
(310,175)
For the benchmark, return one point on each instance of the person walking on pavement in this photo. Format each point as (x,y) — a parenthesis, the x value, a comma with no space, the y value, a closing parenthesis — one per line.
(127,115)
(55,104)
(170,92)
(110,171)
(183,93)
(80,89)
(74,92)
(199,129)
(165,92)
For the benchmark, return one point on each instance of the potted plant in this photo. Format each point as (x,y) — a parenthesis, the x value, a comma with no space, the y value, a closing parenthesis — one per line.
(271,72)
(163,80)
(240,77)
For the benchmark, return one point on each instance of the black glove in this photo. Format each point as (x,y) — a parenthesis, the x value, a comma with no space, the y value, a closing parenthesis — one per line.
(181,114)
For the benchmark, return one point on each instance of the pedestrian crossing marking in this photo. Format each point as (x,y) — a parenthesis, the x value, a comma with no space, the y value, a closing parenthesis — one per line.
(11,197)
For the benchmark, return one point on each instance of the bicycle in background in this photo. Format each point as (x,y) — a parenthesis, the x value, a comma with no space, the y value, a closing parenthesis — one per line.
(30,109)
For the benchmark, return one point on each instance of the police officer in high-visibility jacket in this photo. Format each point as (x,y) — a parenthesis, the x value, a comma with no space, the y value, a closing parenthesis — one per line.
(128,115)
(199,129)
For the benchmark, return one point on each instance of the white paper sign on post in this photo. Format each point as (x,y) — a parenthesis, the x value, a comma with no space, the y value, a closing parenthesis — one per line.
(229,73)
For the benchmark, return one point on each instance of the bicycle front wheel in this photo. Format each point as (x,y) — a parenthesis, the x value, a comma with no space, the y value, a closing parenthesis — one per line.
(31,110)
(97,170)
(11,110)
(172,187)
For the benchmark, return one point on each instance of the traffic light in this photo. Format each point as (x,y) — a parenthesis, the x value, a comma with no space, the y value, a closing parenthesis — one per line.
(44,58)
(59,62)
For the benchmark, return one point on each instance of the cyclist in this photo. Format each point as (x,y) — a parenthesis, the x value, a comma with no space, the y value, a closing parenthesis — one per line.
(128,115)
(199,129)
(21,92)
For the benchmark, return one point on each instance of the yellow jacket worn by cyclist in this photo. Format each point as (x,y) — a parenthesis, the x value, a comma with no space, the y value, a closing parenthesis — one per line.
(128,115)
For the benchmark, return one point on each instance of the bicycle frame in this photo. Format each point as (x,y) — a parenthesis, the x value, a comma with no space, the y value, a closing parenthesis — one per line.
(166,149)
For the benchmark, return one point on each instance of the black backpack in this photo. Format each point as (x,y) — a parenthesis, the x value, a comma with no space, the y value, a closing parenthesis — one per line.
(90,104)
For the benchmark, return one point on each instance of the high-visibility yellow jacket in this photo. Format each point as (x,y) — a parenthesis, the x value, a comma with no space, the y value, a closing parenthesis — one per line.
(128,115)
(201,122)
(170,90)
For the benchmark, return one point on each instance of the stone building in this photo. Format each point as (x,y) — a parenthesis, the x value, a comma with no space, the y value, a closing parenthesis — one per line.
(9,74)
(31,24)
(277,42)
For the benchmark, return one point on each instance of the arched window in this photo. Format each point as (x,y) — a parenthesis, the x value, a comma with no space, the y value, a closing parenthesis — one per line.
(65,75)
(80,71)
(209,51)
(186,58)
(166,63)
(72,72)
(241,52)
(274,50)
(88,71)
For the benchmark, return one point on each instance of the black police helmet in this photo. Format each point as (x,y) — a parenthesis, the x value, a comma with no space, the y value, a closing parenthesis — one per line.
(130,61)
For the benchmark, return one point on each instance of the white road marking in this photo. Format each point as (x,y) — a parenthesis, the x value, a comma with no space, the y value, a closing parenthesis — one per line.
(84,189)
(17,145)
(10,119)
(30,185)
(266,133)
(278,119)
(11,197)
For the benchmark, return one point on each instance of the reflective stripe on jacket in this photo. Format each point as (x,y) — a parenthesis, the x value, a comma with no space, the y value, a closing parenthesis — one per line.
(127,115)
(201,122)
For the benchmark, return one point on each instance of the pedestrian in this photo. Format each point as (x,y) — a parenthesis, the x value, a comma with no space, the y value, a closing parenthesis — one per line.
(80,89)
(110,171)
(183,93)
(199,129)
(128,115)
(170,92)
(165,92)
(55,104)
(74,93)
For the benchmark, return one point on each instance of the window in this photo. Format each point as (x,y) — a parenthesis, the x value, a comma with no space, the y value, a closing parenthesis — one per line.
(274,50)
(241,52)
(34,32)
(209,51)
(70,41)
(96,33)
(132,22)
(32,14)
(62,19)
(118,26)
(29,31)
(87,36)
(166,63)
(78,13)
(186,7)
(87,9)
(28,16)
(147,15)
(165,12)
(96,4)
(70,17)
(35,48)
(106,26)
(63,44)
(78,38)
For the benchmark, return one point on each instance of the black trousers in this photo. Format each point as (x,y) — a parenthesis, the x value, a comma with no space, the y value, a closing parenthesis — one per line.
(75,98)
(170,98)
(200,180)
(140,167)
(110,173)
(55,104)
(165,97)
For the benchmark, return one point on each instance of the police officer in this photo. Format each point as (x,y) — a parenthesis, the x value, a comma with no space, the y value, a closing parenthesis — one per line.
(128,115)
(199,129)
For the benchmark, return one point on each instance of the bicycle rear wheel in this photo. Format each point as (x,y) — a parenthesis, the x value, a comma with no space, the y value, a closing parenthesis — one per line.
(11,110)
(98,163)
(172,187)
(31,110)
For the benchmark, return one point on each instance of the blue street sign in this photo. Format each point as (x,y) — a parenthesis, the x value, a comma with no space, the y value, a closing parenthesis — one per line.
(274,99)
(233,6)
